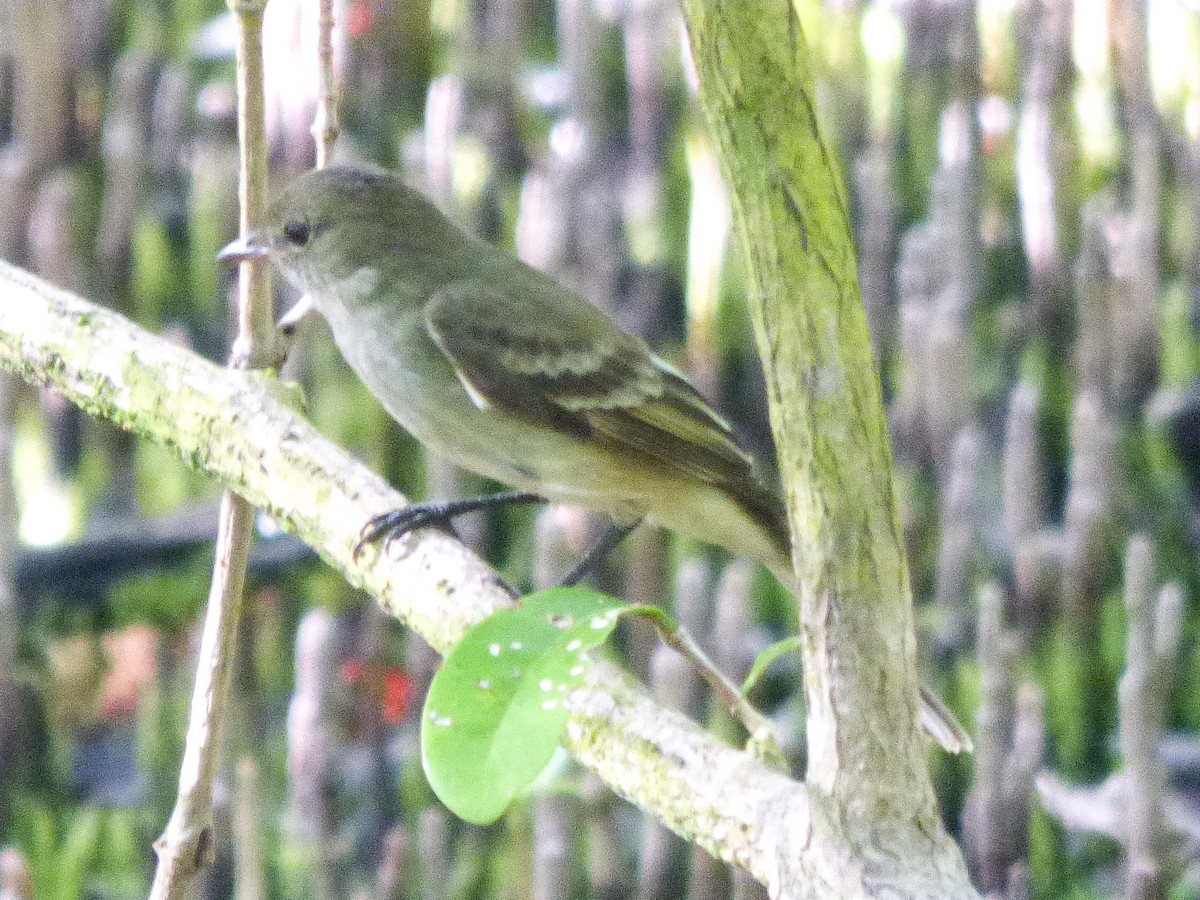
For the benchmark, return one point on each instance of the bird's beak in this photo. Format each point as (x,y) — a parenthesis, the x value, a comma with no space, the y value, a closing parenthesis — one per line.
(248,246)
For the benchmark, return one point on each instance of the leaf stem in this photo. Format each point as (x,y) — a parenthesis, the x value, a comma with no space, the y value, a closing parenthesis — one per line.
(679,639)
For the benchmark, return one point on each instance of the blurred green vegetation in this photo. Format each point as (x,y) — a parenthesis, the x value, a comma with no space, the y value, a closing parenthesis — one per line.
(563,109)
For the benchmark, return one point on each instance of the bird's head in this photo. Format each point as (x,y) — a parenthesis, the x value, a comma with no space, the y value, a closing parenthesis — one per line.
(331,227)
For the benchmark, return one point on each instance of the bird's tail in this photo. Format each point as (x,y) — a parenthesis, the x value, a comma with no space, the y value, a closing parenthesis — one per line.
(939,723)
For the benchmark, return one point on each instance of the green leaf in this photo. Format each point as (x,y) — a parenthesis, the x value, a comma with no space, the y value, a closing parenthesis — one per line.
(494,714)
(766,659)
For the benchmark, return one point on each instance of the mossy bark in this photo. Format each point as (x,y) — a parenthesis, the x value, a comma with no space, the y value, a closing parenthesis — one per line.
(242,428)
(875,826)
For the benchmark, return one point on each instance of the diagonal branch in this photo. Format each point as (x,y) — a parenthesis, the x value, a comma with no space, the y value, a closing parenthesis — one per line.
(241,428)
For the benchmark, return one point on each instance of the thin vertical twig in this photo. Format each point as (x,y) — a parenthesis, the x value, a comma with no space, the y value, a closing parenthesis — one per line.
(311,742)
(1151,650)
(256,325)
(1024,488)
(390,874)
(325,129)
(986,826)
(325,126)
(558,860)
(16,881)
(558,868)
(186,846)
(250,878)
(312,749)
(1043,93)
(11,724)
(959,558)
(435,852)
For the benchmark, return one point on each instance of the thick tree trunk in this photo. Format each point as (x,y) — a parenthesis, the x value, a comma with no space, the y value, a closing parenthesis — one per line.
(875,824)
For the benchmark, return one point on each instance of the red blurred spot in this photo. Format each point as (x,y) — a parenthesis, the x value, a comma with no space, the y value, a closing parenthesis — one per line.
(359,18)
(352,671)
(397,687)
(132,653)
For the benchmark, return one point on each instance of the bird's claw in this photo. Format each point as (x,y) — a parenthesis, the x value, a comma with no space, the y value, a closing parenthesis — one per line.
(394,524)
(433,514)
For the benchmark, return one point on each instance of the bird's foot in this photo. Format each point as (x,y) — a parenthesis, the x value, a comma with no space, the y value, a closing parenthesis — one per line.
(438,514)
(609,541)
(396,523)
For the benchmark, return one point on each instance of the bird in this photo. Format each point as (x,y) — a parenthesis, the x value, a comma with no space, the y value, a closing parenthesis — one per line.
(502,370)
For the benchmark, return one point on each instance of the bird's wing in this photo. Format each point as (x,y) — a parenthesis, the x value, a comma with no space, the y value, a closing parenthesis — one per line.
(551,358)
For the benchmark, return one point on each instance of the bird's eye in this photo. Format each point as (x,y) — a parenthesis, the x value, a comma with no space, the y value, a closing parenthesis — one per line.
(297,233)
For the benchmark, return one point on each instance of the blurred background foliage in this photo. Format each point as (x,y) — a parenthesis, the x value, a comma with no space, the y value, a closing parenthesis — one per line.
(1026,184)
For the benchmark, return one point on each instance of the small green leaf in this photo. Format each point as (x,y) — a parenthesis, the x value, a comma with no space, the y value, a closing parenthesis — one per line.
(767,658)
(494,714)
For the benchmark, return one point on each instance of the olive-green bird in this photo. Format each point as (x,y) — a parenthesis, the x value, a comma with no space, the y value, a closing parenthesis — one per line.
(502,370)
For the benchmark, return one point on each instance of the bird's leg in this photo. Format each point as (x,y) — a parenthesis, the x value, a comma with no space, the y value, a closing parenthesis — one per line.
(434,514)
(609,541)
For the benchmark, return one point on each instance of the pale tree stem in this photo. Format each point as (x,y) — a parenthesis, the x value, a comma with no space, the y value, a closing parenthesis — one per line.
(256,324)
(325,126)
(1152,647)
(185,847)
(16,880)
(325,130)
(10,608)
(247,833)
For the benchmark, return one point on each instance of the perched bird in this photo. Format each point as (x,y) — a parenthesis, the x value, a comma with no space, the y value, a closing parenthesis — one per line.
(502,370)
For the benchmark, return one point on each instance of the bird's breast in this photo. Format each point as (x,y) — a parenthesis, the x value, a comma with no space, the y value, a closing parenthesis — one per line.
(392,353)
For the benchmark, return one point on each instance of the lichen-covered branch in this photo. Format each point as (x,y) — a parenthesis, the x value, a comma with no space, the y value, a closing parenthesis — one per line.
(241,428)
